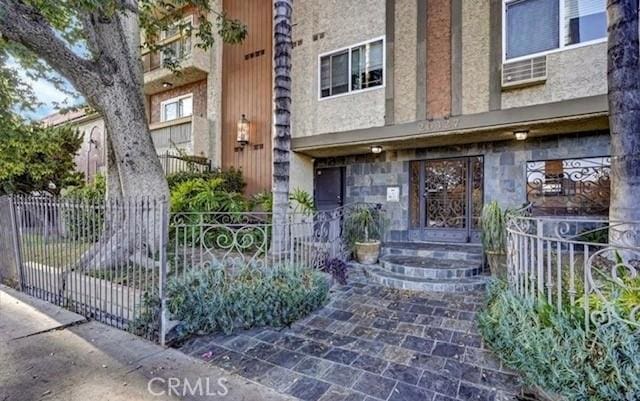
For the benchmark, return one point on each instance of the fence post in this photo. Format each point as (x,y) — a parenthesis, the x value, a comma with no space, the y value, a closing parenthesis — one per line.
(540,257)
(15,234)
(162,279)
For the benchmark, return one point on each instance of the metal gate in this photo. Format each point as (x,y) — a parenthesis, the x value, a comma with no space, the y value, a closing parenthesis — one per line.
(102,260)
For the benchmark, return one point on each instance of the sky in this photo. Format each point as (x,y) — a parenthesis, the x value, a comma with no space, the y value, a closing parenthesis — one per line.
(48,95)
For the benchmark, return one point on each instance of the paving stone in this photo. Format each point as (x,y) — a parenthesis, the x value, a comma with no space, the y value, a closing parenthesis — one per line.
(318,334)
(421,309)
(366,346)
(468,392)
(286,358)
(312,366)
(403,373)
(419,344)
(463,371)
(252,368)
(481,357)
(270,336)
(407,392)
(444,312)
(339,327)
(390,338)
(314,348)
(397,354)
(406,317)
(341,375)
(261,351)
(375,385)
(409,328)
(468,340)
(448,350)
(439,383)
(385,324)
(308,389)
(339,340)
(319,322)
(400,306)
(429,320)
(437,333)
(279,378)
(467,316)
(240,343)
(424,361)
(341,355)
(365,332)
(440,397)
(338,393)
(341,315)
(291,342)
(370,364)
(456,324)
(230,361)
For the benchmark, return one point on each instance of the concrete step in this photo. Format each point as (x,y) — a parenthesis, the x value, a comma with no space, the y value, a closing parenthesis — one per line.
(434,250)
(400,281)
(433,268)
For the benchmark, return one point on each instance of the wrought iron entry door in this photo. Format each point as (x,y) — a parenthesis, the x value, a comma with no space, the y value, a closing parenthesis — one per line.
(450,199)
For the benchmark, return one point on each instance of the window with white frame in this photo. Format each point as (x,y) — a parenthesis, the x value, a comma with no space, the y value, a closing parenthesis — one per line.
(355,68)
(176,108)
(537,26)
(178,49)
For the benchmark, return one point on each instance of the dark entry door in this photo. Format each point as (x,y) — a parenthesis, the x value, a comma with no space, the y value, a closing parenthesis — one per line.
(329,188)
(449,199)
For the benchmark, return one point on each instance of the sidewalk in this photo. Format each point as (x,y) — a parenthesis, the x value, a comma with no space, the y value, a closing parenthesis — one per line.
(48,353)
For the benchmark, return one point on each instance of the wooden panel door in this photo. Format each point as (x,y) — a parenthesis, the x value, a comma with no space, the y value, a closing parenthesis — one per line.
(246,89)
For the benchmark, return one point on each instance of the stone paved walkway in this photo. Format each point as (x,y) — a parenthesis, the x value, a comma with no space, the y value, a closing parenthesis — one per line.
(370,343)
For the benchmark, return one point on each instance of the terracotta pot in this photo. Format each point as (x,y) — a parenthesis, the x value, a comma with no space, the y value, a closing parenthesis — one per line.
(367,253)
(497,264)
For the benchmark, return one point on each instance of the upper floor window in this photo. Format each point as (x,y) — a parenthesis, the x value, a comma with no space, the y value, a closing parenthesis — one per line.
(176,108)
(178,47)
(355,68)
(538,26)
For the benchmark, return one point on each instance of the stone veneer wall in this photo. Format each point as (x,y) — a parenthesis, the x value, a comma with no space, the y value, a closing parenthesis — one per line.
(368,176)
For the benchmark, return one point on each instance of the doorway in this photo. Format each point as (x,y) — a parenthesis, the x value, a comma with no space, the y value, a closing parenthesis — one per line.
(446,199)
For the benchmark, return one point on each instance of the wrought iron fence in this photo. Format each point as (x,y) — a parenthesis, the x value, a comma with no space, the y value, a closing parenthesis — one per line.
(579,264)
(111,260)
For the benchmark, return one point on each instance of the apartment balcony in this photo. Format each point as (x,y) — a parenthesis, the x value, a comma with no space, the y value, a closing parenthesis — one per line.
(194,64)
(189,134)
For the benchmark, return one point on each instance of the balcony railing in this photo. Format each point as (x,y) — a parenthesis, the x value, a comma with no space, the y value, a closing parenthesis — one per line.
(172,52)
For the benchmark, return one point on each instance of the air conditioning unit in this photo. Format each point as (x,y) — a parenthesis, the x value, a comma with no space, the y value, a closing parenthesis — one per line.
(524,72)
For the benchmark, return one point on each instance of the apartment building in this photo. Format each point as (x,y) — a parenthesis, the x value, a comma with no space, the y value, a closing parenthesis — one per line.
(431,108)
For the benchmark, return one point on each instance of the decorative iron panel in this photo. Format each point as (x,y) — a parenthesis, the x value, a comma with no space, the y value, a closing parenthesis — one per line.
(446,193)
(569,186)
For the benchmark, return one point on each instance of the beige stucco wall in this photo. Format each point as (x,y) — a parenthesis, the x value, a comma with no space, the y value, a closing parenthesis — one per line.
(571,73)
(95,153)
(344,23)
(475,56)
(301,173)
(214,95)
(406,30)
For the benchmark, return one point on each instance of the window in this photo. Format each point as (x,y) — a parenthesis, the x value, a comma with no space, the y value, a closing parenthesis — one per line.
(176,49)
(538,26)
(353,69)
(176,108)
(569,186)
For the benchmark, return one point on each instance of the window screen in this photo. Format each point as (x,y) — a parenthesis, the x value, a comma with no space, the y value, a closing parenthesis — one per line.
(585,20)
(532,26)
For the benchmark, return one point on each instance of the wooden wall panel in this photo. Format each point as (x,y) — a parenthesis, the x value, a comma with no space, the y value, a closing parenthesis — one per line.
(247,89)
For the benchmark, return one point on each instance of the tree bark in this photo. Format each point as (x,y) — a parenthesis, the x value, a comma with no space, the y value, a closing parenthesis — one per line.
(623,76)
(282,122)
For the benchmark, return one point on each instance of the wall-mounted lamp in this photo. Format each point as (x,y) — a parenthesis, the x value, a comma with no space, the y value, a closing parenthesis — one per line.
(376,149)
(243,131)
(166,84)
(521,135)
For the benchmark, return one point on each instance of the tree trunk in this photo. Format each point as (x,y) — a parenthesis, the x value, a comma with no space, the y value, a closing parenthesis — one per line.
(623,75)
(282,120)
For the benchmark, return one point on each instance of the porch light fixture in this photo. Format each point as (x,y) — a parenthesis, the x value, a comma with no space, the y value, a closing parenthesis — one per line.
(376,149)
(243,131)
(521,135)
(166,84)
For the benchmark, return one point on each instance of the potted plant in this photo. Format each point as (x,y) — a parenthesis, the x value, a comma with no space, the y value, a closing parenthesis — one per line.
(363,231)
(493,238)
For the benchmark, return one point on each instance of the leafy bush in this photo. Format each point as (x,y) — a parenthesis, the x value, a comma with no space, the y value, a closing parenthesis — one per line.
(551,348)
(232,179)
(85,222)
(493,227)
(200,195)
(337,268)
(365,223)
(219,299)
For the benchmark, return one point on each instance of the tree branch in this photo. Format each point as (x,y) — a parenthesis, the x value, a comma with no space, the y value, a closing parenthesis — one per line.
(22,23)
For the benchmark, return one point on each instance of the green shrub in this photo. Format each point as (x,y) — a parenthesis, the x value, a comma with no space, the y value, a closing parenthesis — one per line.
(232,179)
(219,299)
(493,227)
(551,348)
(363,224)
(85,222)
(200,195)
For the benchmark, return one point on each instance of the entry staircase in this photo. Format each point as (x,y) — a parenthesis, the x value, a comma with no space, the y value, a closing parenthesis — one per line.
(429,266)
